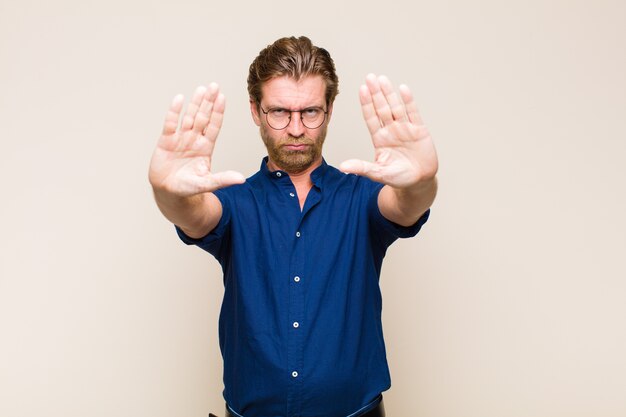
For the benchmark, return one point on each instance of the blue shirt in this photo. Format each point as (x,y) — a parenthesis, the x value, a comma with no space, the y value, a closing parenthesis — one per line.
(300,325)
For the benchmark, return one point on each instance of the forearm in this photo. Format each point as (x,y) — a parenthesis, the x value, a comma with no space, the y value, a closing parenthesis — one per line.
(196,215)
(405,206)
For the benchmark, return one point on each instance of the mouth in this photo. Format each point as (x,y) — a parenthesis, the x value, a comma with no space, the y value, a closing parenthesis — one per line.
(296,146)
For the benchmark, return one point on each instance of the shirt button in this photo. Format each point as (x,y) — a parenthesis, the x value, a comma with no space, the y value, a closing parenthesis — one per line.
(297,279)
(297,234)
(294,374)
(292,194)
(296,324)
(278,174)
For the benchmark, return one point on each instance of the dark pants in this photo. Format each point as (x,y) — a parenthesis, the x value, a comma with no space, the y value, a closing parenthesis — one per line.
(377,411)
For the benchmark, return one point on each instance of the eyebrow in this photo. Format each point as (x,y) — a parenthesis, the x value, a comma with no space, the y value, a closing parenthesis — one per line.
(312,106)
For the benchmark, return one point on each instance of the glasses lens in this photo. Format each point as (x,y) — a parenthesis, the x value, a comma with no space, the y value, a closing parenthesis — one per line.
(313,118)
(278,118)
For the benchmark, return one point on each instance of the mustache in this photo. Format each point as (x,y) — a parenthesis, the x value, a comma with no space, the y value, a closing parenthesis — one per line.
(302,140)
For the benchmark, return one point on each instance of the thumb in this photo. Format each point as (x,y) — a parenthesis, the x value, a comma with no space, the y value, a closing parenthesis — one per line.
(360,167)
(219,180)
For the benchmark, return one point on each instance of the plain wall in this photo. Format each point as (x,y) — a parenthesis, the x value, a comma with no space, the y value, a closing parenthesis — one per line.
(510,302)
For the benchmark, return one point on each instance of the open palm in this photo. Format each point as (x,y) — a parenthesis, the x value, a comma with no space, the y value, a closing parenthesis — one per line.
(404,151)
(181,162)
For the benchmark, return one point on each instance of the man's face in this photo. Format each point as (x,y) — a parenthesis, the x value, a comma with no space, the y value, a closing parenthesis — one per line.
(295,148)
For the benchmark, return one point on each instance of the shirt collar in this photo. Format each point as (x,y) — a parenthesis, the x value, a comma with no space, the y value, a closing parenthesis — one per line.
(316,176)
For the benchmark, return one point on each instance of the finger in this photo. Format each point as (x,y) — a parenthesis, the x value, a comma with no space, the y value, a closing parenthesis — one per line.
(360,167)
(217,116)
(206,107)
(378,98)
(398,111)
(369,113)
(409,103)
(192,109)
(209,98)
(173,115)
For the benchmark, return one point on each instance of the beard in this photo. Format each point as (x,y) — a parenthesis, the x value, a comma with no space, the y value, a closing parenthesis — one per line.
(290,160)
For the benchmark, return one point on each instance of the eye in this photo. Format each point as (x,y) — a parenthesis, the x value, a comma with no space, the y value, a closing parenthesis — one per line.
(279,112)
(311,112)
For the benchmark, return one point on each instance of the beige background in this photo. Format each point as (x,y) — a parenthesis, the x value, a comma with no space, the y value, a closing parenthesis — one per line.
(512,300)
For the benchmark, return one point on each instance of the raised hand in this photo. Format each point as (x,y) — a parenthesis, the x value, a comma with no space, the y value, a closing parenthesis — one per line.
(404,152)
(181,162)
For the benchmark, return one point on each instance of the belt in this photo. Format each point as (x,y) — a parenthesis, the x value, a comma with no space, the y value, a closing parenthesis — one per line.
(377,410)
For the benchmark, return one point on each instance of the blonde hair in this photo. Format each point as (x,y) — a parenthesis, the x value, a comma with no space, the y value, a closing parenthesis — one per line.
(296,58)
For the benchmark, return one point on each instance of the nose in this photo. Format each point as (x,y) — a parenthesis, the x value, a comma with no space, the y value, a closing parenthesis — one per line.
(295,127)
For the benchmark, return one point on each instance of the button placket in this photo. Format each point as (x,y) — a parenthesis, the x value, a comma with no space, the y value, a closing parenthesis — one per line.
(296,316)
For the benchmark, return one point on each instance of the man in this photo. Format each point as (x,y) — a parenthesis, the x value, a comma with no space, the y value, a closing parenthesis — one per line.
(300,243)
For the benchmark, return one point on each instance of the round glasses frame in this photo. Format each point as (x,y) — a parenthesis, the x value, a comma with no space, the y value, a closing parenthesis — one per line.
(268,111)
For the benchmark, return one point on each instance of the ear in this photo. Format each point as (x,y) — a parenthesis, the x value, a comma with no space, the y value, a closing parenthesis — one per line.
(254,109)
(330,112)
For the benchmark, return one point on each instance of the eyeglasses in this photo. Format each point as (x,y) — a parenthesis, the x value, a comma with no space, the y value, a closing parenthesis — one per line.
(279,119)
